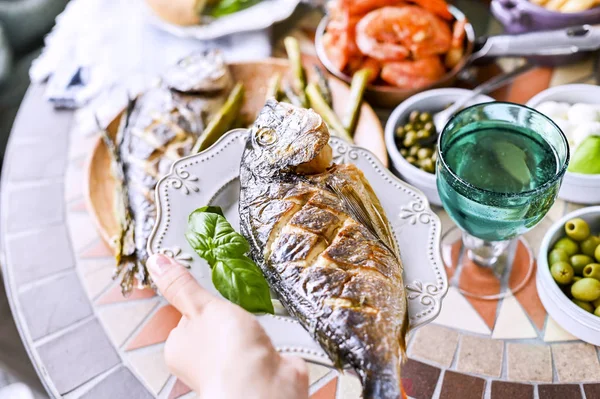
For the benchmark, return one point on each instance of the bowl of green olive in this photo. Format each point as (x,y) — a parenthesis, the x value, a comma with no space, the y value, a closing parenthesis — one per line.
(411,138)
(568,276)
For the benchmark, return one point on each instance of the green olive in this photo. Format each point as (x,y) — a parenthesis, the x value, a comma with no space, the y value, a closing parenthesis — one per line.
(412,151)
(596,303)
(579,262)
(557,255)
(434,155)
(586,289)
(576,278)
(410,139)
(597,253)
(584,305)
(429,127)
(404,152)
(568,245)
(427,165)
(423,134)
(577,229)
(400,132)
(597,311)
(414,115)
(562,272)
(424,153)
(412,160)
(408,127)
(592,271)
(589,245)
(425,117)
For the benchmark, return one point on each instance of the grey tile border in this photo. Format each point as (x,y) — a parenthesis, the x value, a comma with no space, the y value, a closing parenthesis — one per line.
(121,383)
(54,305)
(39,254)
(77,356)
(34,206)
(45,159)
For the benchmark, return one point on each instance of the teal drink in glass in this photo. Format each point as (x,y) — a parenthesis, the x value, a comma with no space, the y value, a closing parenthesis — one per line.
(500,167)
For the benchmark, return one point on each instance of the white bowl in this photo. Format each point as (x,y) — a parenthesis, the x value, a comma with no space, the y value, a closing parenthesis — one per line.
(432,101)
(569,316)
(576,187)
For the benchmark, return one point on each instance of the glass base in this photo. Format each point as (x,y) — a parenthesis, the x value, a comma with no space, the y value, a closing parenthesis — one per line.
(503,275)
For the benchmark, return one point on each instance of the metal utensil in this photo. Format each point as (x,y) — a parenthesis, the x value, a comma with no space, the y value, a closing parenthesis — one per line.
(441,118)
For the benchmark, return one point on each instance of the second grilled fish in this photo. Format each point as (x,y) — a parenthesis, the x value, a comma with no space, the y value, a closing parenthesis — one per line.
(324,243)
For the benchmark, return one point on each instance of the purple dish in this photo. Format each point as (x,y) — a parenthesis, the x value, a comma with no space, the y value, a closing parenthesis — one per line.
(519,16)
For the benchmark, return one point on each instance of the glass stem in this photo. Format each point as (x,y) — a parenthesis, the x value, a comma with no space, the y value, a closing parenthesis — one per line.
(484,253)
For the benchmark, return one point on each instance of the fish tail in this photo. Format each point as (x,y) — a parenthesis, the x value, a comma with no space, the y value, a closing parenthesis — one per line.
(383,386)
(402,340)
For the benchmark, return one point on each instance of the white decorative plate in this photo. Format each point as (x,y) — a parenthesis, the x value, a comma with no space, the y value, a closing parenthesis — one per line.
(212,178)
(259,16)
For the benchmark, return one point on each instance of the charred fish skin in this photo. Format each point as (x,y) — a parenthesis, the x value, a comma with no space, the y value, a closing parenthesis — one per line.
(339,279)
(159,127)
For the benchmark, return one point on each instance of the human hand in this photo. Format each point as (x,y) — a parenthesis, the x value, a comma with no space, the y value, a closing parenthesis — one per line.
(220,350)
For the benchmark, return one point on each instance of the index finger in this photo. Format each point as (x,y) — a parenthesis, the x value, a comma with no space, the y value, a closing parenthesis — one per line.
(178,286)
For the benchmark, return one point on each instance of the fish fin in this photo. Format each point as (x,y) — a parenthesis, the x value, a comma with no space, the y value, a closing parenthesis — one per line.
(365,213)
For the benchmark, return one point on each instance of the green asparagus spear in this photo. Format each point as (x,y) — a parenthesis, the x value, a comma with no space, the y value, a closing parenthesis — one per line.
(298,74)
(357,89)
(274,86)
(320,106)
(223,120)
(323,85)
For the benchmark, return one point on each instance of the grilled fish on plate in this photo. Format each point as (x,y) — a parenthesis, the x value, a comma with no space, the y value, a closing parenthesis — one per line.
(157,128)
(323,241)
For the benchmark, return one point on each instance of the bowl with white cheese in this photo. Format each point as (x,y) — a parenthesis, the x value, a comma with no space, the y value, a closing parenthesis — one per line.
(576,110)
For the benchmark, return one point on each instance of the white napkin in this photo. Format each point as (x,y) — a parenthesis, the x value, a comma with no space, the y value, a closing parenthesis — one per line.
(101,51)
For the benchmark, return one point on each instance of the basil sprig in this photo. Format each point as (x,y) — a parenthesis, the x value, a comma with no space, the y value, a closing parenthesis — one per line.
(234,275)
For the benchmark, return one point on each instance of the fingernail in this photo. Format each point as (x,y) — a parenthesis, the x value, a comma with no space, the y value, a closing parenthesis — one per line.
(158,264)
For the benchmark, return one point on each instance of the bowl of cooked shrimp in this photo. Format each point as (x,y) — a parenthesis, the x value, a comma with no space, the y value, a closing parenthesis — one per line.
(407,46)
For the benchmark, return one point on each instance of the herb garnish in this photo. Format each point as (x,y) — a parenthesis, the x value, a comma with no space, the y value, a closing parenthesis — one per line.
(234,275)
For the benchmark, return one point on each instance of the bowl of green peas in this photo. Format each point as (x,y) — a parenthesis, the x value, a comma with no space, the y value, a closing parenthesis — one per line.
(411,137)
(568,276)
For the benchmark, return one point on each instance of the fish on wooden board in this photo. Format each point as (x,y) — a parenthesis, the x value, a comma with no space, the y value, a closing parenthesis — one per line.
(158,127)
(323,241)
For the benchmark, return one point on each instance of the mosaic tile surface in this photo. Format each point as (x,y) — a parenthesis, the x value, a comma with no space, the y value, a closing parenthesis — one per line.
(109,344)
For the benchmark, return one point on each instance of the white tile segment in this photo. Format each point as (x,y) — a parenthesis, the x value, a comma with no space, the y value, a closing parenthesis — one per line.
(458,313)
(121,319)
(149,365)
(555,333)
(512,321)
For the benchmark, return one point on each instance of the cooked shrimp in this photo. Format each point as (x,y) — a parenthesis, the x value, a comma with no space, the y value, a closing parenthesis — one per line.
(438,7)
(361,7)
(457,48)
(392,33)
(413,74)
(374,66)
(336,47)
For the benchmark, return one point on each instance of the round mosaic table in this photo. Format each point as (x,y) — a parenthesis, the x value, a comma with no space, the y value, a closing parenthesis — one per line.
(87,341)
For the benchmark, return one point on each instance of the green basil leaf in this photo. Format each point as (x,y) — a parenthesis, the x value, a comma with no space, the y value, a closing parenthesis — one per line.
(211,209)
(242,282)
(212,237)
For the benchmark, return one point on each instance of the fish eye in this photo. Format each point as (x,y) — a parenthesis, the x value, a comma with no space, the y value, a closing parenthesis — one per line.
(265,136)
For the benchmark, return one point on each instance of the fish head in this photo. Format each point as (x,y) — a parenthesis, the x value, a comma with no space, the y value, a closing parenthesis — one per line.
(286,138)
(200,72)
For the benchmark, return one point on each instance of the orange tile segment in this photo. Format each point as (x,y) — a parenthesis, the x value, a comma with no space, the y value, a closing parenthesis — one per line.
(157,329)
(179,389)
(528,296)
(480,281)
(96,250)
(114,295)
(529,84)
(326,392)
